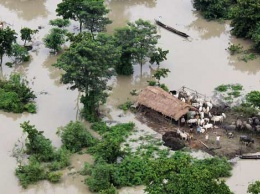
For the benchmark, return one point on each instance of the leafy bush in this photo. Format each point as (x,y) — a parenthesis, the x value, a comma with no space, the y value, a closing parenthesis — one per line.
(101,176)
(37,144)
(235,49)
(246,109)
(61,159)
(253,98)
(111,190)
(16,96)
(126,106)
(100,127)
(131,171)
(75,136)
(254,188)
(54,177)
(31,173)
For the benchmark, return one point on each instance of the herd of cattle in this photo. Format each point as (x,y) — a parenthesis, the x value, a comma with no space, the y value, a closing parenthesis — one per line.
(204,116)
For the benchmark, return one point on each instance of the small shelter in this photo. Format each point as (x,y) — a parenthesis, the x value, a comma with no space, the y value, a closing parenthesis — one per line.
(161,101)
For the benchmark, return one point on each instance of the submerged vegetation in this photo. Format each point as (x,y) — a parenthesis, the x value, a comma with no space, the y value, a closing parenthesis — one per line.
(16,96)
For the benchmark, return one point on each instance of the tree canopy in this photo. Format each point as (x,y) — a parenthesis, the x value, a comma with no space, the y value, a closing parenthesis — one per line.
(88,64)
(7,38)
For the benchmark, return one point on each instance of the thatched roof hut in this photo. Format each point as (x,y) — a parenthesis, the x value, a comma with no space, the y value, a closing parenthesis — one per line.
(161,101)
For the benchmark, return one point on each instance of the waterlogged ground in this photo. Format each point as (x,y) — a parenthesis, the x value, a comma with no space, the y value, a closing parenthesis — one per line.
(200,63)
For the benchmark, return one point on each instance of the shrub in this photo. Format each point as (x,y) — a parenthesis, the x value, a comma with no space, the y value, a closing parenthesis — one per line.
(246,109)
(61,159)
(254,188)
(75,136)
(253,98)
(15,95)
(101,176)
(235,49)
(37,144)
(31,173)
(111,190)
(54,177)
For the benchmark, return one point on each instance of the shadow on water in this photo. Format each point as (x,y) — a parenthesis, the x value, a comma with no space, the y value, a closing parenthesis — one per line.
(26,9)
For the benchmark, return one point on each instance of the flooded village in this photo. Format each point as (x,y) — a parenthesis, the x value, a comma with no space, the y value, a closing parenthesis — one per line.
(190,118)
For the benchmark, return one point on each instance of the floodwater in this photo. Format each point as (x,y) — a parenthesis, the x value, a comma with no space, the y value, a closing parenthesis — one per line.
(200,63)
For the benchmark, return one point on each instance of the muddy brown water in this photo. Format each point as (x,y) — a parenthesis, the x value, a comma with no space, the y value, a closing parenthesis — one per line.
(200,62)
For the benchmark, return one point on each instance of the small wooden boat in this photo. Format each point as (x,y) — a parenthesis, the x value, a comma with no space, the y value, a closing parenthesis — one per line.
(171,29)
(249,156)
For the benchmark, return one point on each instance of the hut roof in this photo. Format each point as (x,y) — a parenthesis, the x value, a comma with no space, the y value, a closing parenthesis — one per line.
(161,101)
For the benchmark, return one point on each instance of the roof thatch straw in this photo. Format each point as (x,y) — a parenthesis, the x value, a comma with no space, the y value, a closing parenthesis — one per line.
(161,101)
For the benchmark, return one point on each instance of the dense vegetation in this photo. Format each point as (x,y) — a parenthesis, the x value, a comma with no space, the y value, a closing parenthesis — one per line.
(245,16)
(16,96)
(151,166)
(254,188)
(45,161)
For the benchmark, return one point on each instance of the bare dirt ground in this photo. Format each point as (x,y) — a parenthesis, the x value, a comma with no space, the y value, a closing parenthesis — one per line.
(229,147)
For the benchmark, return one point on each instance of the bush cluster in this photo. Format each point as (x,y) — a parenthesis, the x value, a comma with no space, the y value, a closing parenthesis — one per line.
(16,96)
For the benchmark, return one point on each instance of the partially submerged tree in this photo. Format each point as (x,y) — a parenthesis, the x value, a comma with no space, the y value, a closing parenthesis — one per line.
(91,13)
(88,66)
(7,38)
(158,56)
(163,72)
(254,187)
(19,53)
(26,34)
(61,23)
(55,39)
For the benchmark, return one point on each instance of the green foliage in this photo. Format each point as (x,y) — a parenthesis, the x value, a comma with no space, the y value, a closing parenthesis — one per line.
(246,15)
(152,83)
(88,66)
(229,91)
(111,190)
(54,177)
(179,174)
(61,23)
(163,72)
(55,39)
(235,49)
(61,159)
(213,9)
(7,38)
(158,56)
(137,41)
(31,173)
(131,171)
(101,176)
(38,145)
(253,98)
(91,13)
(164,87)
(19,53)
(75,136)
(16,96)
(245,109)
(100,127)
(126,106)
(256,37)
(86,169)
(248,57)
(26,34)
(254,188)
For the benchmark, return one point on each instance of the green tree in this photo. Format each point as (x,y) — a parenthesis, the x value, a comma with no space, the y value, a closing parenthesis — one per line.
(55,39)
(137,42)
(246,15)
(145,40)
(163,72)
(26,34)
(88,64)
(253,98)
(254,188)
(7,38)
(61,23)
(213,9)
(94,17)
(19,53)
(158,56)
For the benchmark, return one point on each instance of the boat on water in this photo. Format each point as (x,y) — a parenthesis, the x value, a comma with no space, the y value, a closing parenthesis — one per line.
(249,156)
(159,23)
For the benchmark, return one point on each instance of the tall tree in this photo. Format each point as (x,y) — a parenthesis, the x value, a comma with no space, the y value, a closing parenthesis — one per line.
(158,56)
(7,38)
(137,41)
(88,66)
(94,16)
(91,13)
(55,39)
(26,34)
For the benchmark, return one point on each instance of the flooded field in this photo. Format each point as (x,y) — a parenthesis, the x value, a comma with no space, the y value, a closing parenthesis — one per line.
(200,62)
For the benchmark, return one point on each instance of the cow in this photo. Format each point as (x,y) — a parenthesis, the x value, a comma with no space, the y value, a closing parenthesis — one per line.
(246,139)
